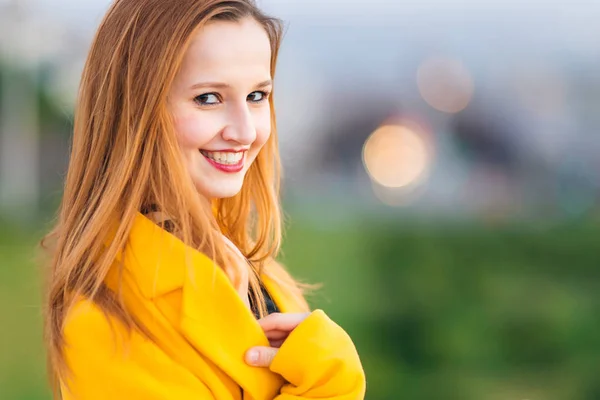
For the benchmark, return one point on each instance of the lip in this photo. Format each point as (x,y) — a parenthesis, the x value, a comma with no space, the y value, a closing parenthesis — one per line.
(230,168)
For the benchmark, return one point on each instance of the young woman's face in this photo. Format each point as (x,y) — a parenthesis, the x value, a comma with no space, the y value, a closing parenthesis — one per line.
(219,102)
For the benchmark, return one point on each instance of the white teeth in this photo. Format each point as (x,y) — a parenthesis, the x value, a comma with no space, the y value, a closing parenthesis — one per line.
(222,157)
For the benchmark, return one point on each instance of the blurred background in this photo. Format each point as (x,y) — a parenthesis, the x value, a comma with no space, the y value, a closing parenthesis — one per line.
(442,163)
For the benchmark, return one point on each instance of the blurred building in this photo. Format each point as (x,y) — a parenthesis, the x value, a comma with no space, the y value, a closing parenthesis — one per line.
(505,107)
(40,63)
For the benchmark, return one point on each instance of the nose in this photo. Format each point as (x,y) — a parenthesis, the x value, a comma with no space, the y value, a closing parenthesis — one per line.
(240,127)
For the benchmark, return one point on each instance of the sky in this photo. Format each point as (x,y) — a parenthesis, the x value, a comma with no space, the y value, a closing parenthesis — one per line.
(366,46)
(556,22)
(88,11)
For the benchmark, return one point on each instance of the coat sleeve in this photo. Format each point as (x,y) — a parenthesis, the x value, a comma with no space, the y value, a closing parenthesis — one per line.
(319,361)
(101,365)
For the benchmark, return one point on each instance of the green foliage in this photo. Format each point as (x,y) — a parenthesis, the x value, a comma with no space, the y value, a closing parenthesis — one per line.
(53,119)
(463,313)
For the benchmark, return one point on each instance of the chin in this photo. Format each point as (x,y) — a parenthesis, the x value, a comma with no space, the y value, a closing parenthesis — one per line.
(220,191)
(226,195)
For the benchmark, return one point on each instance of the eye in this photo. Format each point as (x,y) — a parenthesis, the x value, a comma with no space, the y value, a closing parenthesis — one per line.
(207,99)
(258,96)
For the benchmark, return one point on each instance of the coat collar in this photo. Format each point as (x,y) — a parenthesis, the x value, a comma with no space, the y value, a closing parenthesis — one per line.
(213,317)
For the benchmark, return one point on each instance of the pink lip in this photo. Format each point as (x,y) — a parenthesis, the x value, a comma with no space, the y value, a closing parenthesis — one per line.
(230,168)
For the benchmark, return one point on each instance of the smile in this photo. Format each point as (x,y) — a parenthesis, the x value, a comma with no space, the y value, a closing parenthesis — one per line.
(226,161)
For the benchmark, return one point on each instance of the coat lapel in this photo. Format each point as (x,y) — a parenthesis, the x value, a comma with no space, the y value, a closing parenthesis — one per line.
(221,327)
(214,319)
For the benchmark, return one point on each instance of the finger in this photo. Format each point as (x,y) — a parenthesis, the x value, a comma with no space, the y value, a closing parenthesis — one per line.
(260,356)
(276,343)
(282,322)
(276,335)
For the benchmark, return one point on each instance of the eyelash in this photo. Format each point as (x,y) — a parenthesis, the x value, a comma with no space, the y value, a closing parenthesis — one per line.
(264,97)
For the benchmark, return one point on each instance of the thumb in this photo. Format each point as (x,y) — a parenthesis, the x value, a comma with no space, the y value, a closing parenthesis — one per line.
(260,356)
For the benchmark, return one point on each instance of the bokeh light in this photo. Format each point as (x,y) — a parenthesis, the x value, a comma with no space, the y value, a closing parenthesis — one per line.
(397,196)
(396,156)
(445,84)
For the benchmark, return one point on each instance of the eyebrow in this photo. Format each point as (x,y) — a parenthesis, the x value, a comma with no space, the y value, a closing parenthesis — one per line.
(221,85)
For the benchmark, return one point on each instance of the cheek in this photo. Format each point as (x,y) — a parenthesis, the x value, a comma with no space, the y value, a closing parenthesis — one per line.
(194,132)
(263,129)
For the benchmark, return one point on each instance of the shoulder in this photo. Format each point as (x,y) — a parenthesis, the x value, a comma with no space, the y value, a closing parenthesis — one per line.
(98,347)
(88,329)
(105,359)
(85,315)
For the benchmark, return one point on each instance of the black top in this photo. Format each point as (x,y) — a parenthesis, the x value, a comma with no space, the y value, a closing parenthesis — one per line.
(271,306)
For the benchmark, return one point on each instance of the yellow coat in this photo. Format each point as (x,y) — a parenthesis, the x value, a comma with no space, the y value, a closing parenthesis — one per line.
(200,331)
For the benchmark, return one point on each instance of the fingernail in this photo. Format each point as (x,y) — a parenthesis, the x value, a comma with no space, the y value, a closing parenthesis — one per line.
(252,357)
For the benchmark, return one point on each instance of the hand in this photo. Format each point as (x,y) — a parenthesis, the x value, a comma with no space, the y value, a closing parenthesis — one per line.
(277,328)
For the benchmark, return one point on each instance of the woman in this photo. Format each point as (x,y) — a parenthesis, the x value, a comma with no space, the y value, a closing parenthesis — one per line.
(163,282)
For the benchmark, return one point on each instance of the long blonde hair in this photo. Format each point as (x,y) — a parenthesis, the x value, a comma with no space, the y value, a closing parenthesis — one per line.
(125,156)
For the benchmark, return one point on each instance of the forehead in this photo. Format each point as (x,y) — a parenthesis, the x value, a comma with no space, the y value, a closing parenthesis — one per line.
(225,48)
